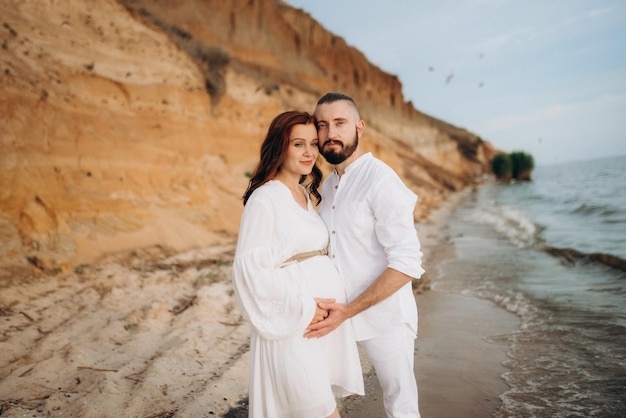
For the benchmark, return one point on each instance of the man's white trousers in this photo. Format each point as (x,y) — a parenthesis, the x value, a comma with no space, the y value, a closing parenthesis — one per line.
(392,356)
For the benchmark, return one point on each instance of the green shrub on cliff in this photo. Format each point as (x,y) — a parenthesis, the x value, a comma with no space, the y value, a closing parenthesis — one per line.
(523,165)
(516,165)
(502,166)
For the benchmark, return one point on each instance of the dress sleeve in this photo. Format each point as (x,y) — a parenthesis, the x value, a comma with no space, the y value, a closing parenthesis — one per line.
(395,226)
(273,302)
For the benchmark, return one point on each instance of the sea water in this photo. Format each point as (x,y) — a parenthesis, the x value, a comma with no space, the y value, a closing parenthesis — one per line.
(552,251)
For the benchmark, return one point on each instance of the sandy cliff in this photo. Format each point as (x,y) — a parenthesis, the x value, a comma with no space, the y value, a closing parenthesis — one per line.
(130,124)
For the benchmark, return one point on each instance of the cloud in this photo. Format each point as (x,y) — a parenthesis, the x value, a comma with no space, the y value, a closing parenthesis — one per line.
(557,111)
(599,12)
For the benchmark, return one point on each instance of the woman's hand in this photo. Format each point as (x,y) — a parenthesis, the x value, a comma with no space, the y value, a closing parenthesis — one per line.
(337,313)
(320,313)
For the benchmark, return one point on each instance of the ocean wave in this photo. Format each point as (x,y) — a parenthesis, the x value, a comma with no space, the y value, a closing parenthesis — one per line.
(518,228)
(601,210)
(614,221)
(572,256)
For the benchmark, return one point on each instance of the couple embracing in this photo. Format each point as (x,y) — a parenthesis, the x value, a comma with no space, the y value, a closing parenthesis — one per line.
(315,283)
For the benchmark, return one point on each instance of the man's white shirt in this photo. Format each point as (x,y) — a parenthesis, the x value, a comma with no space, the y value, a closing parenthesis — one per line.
(369,215)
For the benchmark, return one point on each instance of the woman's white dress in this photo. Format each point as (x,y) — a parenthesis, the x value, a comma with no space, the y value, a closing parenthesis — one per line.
(290,376)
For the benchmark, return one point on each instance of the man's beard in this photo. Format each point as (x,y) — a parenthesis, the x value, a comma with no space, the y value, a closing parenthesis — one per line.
(337,157)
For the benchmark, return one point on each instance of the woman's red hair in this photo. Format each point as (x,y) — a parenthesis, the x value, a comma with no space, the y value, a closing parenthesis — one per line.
(274,150)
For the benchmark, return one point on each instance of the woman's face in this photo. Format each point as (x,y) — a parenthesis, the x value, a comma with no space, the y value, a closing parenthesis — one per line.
(302,151)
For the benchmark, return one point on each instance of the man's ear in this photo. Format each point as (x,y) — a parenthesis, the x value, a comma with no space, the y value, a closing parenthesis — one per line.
(360,127)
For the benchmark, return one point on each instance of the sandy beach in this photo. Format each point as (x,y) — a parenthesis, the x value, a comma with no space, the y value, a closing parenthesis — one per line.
(155,333)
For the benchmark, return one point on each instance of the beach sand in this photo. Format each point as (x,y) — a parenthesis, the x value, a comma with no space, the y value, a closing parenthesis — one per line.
(153,333)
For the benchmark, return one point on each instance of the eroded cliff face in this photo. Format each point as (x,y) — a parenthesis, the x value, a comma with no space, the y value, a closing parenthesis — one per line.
(130,124)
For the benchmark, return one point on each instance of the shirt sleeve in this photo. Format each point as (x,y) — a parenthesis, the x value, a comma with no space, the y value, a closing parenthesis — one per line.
(393,205)
(275,305)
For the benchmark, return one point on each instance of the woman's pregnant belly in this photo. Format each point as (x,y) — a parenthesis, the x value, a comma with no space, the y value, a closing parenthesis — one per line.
(322,279)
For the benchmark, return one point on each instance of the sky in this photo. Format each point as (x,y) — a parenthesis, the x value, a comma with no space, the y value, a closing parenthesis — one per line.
(545,77)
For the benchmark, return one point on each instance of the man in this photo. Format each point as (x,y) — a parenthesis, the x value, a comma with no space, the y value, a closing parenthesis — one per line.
(374,245)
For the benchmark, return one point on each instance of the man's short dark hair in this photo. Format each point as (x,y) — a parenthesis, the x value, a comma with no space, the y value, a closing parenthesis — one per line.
(334,97)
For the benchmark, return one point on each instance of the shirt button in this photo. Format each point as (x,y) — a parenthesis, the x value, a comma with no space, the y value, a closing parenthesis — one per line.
(333,232)
(333,255)
(336,187)
(333,206)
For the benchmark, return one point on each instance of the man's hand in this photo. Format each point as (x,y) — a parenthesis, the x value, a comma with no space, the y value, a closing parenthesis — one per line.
(338,312)
(387,283)
(320,313)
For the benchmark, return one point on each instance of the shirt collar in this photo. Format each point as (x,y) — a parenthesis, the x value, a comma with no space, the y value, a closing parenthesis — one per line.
(357,163)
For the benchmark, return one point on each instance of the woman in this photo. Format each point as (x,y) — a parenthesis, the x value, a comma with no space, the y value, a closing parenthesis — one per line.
(281,272)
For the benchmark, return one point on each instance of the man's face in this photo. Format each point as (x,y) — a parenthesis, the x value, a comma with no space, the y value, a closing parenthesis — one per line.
(338,130)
